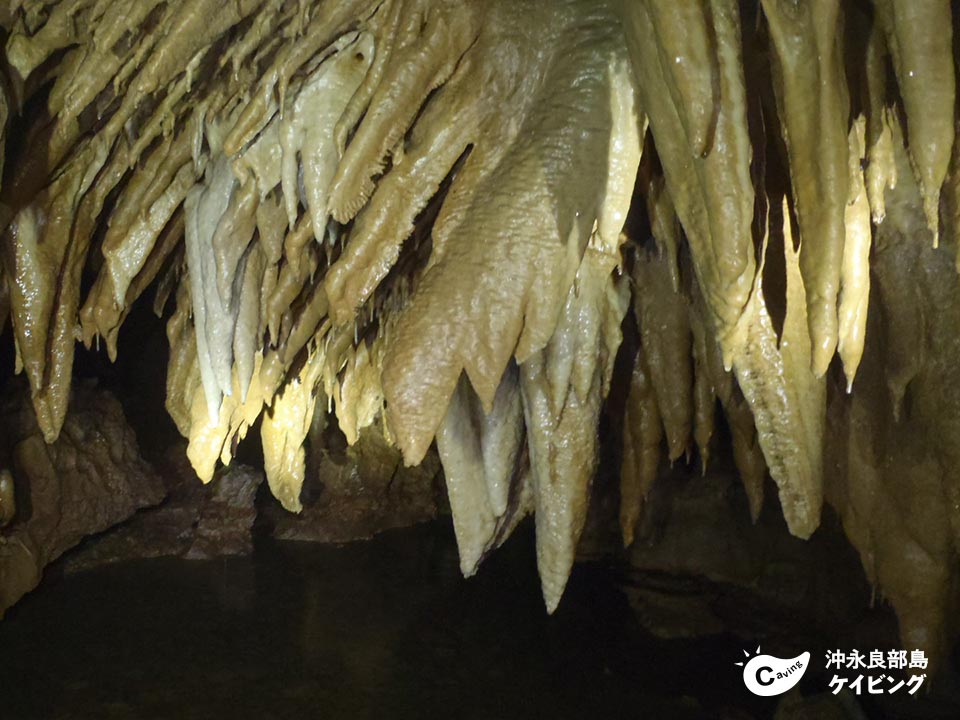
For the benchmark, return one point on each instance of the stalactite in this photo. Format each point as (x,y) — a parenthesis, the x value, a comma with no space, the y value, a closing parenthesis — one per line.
(813,104)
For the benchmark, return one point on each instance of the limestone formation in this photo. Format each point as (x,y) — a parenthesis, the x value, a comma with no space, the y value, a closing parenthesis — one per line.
(436,218)
(89,480)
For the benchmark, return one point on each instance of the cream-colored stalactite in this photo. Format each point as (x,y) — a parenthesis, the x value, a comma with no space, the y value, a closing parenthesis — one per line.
(213,319)
(747,454)
(183,371)
(91,64)
(310,153)
(387,220)
(384,24)
(310,322)
(256,134)
(359,396)
(51,401)
(168,279)
(664,226)
(855,272)
(563,461)
(431,45)
(501,439)
(26,52)
(663,319)
(704,398)
(920,39)
(813,104)
(628,125)
(882,169)
(261,160)
(300,45)
(292,278)
(881,173)
(167,58)
(571,355)
(38,250)
(272,226)
(246,341)
(128,244)
(94,65)
(231,240)
(561,417)
(642,437)
(215,439)
(46,272)
(476,94)
(26,271)
(284,429)
(488,478)
(192,27)
(713,195)
(686,44)
(458,443)
(100,316)
(478,305)
(585,342)
(786,397)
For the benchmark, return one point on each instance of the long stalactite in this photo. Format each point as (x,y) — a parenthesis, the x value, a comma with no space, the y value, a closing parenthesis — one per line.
(417,212)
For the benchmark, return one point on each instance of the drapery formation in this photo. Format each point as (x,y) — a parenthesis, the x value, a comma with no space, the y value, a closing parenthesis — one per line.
(416,212)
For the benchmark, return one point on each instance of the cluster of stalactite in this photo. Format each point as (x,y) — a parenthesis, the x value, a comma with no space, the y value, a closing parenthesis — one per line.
(438,217)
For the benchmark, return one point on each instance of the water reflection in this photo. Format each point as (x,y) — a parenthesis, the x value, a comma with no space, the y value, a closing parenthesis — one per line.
(386,629)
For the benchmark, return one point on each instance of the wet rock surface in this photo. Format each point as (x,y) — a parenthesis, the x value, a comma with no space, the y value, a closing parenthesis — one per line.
(196,521)
(355,492)
(700,566)
(350,493)
(90,479)
(226,518)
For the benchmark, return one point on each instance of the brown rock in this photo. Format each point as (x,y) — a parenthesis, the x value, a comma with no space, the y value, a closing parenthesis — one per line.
(227,514)
(196,521)
(353,493)
(699,566)
(90,479)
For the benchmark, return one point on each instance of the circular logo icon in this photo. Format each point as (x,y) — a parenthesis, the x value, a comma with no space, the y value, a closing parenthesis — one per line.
(766,675)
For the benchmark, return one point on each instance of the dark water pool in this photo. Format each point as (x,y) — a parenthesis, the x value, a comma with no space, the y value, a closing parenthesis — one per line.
(385,629)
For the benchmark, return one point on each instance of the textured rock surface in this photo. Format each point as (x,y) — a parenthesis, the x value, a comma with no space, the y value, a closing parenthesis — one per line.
(350,493)
(354,492)
(195,521)
(699,566)
(227,514)
(90,479)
